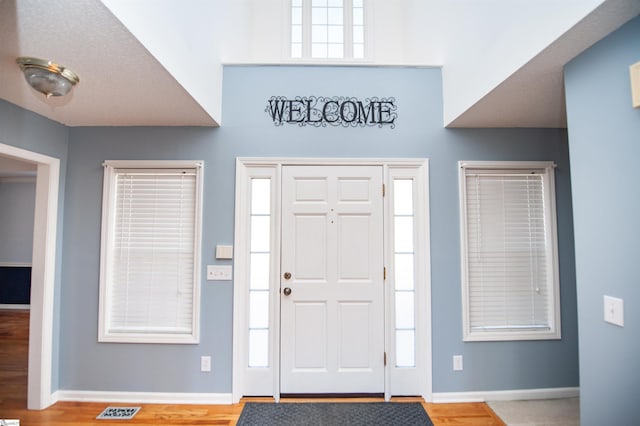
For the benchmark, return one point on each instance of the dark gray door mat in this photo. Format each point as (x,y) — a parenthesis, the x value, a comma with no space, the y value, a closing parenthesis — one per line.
(334,414)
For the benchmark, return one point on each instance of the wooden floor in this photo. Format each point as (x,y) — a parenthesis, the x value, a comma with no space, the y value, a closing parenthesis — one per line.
(14,340)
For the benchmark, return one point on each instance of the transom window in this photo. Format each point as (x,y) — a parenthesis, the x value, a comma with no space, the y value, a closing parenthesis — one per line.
(509,251)
(327,29)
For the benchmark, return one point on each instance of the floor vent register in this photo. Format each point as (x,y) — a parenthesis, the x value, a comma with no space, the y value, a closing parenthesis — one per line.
(120,413)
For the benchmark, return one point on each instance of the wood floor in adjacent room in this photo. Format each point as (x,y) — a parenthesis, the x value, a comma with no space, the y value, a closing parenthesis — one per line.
(14,338)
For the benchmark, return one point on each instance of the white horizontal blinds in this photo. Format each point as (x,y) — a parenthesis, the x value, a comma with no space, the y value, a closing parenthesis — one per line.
(509,272)
(153,251)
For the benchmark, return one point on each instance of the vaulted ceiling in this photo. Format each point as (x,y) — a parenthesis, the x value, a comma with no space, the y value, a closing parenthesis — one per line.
(121,82)
(128,80)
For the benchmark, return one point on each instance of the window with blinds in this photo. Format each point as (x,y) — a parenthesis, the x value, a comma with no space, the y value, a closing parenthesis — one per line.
(509,267)
(150,252)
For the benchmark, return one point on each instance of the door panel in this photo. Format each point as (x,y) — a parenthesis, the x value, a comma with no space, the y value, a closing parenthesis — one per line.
(311,259)
(310,325)
(353,343)
(332,322)
(353,261)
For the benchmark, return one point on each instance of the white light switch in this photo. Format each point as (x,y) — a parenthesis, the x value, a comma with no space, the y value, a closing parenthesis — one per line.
(219,273)
(614,310)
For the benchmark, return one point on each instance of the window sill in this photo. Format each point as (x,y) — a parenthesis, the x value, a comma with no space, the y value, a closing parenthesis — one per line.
(510,336)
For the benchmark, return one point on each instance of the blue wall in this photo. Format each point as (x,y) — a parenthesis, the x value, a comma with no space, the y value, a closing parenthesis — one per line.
(32,132)
(247,130)
(17,204)
(604,139)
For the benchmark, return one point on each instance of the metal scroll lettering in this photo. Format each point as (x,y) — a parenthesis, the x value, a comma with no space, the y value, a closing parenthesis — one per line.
(320,111)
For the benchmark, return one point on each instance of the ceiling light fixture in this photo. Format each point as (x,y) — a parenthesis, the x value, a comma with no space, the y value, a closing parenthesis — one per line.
(47,77)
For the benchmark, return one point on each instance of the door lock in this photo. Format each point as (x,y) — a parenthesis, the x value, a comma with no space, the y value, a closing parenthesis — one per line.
(287,275)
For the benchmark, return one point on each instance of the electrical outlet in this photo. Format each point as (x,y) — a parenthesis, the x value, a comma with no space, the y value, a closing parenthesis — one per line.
(457,363)
(205,364)
(219,273)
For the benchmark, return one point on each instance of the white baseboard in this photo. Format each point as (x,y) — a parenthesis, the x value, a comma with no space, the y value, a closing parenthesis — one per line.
(507,395)
(14,306)
(226,398)
(16,264)
(143,397)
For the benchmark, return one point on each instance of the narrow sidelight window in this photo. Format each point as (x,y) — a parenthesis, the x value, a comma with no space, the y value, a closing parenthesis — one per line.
(404,279)
(259,272)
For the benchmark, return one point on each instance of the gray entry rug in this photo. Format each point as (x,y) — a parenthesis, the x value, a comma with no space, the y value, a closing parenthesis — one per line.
(334,414)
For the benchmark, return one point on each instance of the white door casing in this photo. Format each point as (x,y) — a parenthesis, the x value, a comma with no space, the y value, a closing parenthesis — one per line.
(332,322)
(406,373)
(39,392)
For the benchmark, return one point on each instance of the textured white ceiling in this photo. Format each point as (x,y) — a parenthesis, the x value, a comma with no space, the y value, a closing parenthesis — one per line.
(121,83)
(533,96)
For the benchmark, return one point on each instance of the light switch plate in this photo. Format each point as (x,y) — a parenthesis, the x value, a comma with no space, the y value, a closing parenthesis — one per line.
(634,71)
(219,273)
(614,310)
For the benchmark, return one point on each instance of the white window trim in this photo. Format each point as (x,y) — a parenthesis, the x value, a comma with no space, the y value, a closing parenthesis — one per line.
(348,38)
(266,380)
(552,254)
(110,168)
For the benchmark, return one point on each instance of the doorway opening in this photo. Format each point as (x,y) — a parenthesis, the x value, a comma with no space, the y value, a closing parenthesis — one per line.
(39,393)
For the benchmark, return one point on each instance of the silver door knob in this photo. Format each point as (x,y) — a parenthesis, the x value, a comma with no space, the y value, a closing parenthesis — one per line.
(286,291)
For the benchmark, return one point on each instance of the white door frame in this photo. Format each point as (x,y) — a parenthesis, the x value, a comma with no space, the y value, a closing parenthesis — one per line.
(43,264)
(266,380)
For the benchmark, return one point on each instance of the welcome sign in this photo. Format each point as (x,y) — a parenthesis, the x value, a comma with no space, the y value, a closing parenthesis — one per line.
(320,111)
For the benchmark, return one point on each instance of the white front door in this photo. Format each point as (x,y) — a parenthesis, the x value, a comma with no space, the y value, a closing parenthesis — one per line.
(332,296)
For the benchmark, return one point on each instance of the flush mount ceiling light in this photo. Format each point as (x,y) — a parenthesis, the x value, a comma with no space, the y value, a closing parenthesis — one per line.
(47,77)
